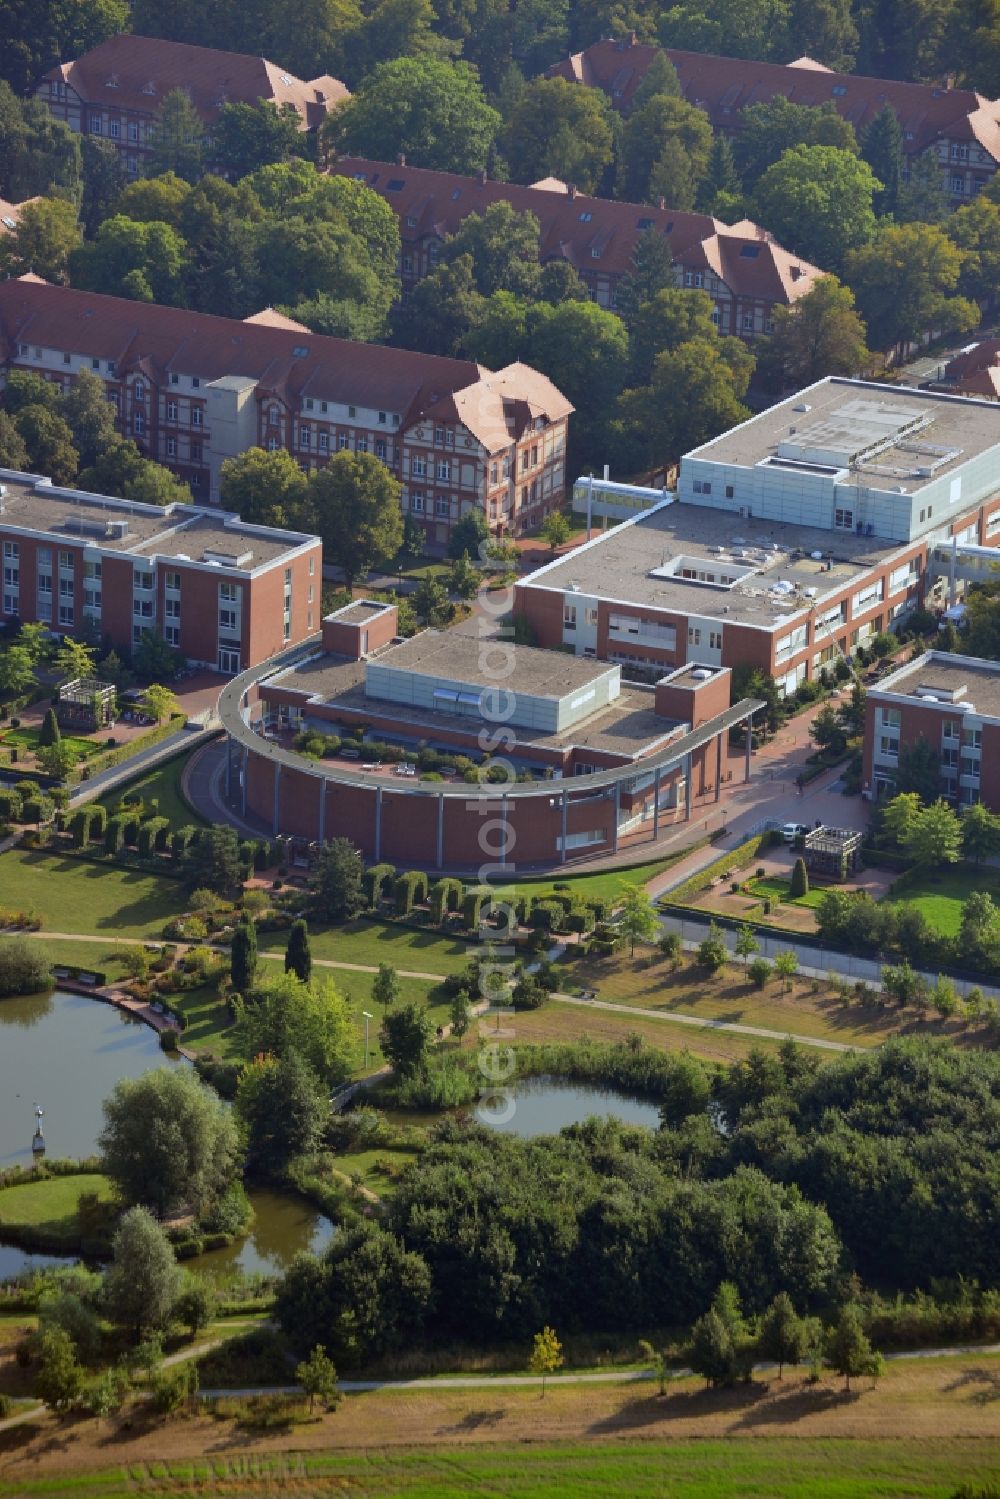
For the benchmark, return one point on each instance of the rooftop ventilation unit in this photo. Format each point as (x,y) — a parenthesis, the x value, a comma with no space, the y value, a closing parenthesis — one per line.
(702,674)
(228,559)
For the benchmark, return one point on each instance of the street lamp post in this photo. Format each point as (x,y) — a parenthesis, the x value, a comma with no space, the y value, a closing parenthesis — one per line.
(368,1016)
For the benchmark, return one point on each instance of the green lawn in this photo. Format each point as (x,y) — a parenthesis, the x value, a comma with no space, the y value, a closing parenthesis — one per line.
(778,1467)
(775,889)
(164,785)
(939,895)
(74,895)
(373,942)
(28,739)
(368,1165)
(605,886)
(49,1207)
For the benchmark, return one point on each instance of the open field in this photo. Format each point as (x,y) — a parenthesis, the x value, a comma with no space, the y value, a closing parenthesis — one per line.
(74,895)
(163,784)
(938,895)
(930,1425)
(373,942)
(50,1205)
(730,996)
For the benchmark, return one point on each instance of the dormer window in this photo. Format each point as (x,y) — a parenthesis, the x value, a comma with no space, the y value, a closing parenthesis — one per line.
(839,90)
(149,88)
(284,78)
(586,217)
(112,82)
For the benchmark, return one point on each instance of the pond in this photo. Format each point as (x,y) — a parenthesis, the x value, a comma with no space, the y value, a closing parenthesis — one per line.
(545,1105)
(66,1052)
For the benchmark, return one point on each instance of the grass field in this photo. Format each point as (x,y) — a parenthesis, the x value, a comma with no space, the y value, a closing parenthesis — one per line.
(562,1022)
(775,889)
(605,886)
(163,784)
(930,1425)
(374,942)
(73,895)
(49,1206)
(729,996)
(28,739)
(939,896)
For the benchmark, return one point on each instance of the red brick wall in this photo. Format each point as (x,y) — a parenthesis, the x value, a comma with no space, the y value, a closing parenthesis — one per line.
(694,702)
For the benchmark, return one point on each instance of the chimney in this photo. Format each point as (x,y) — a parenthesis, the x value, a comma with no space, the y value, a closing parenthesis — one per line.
(661,204)
(571,189)
(483,177)
(401,160)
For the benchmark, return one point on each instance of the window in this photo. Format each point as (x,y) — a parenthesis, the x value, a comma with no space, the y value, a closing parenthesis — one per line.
(195,456)
(228,593)
(133,132)
(114,129)
(323,441)
(228,619)
(694,278)
(702,486)
(352,411)
(305,436)
(10,549)
(171,411)
(495,475)
(362,444)
(694,635)
(197,416)
(343,442)
(67,359)
(715,639)
(45,582)
(417,500)
(843,520)
(730,491)
(569,616)
(65,614)
(11,577)
(172,634)
(172,582)
(418,466)
(380,447)
(142,608)
(444,470)
(748,322)
(229,659)
(66,560)
(97,124)
(143,580)
(195,382)
(10,603)
(381,418)
(139,423)
(442,506)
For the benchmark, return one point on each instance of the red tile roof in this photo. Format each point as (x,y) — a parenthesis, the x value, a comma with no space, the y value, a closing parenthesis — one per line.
(572,225)
(972,360)
(136,72)
(284,361)
(723,86)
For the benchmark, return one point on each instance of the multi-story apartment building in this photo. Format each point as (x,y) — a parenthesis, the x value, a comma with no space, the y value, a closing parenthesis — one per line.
(961,126)
(226,594)
(115,91)
(193,389)
(794,538)
(745,272)
(952,703)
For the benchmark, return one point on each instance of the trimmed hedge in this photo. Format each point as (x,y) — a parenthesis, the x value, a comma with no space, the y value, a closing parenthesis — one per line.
(182,839)
(446,896)
(410,890)
(475,898)
(152,836)
(125,751)
(374,881)
(736,859)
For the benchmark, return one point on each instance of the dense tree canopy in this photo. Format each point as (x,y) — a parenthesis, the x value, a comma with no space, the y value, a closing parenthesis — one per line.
(559,130)
(433,112)
(818,200)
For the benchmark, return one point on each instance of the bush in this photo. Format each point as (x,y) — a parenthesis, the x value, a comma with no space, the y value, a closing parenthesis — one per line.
(410,890)
(80,825)
(472,906)
(760,972)
(374,881)
(547,916)
(37,809)
(182,839)
(114,835)
(152,836)
(10,806)
(23,970)
(446,896)
(528,993)
(735,859)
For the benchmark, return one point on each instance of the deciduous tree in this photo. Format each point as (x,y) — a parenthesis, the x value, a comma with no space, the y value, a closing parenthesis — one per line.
(43,241)
(558,129)
(848,1351)
(637,918)
(817,200)
(355,507)
(819,334)
(282,1107)
(433,112)
(546,1355)
(141,1283)
(318,1377)
(405,1037)
(287,1015)
(906,281)
(337,891)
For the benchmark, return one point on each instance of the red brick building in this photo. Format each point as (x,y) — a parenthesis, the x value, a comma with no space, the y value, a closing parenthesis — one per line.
(740,266)
(226,594)
(590,764)
(193,389)
(115,91)
(959,125)
(953,704)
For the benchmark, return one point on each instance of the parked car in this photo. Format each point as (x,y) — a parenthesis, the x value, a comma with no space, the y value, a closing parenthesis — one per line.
(793,830)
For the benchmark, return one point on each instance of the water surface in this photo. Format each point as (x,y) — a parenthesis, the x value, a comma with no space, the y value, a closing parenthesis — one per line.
(544,1105)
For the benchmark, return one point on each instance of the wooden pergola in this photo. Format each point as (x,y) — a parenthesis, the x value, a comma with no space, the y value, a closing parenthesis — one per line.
(832,851)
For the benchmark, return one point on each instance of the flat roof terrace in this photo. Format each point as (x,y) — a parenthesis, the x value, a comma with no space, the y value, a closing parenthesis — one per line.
(889,433)
(629,726)
(464,655)
(627,564)
(966,682)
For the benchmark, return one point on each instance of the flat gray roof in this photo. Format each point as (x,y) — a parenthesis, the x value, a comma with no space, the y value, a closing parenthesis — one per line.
(465,655)
(618,565)
(173,531)
(966,679)
(836,421)
(359,612)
